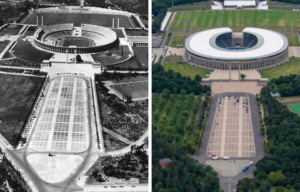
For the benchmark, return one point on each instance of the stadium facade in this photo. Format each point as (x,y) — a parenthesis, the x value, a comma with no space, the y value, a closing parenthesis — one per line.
(50,38)
(221,48)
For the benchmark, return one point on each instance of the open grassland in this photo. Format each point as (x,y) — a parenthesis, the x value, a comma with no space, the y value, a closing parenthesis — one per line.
(287,68)
(18,94)
(236,19)
(179,39)
(183,68)
(293,39)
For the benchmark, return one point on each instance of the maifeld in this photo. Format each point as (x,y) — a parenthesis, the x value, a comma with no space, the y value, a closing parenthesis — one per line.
(221,48)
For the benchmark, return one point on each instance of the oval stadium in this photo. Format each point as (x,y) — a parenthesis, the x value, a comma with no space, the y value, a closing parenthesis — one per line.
(221,48)
(64,38)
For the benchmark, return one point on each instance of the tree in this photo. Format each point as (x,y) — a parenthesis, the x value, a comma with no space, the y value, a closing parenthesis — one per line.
(243,76)
(197,78)
(166,93)
(175,90)
(297,186)
(274,178)
(261,176)
(279,189)
(183,92)
(78,59)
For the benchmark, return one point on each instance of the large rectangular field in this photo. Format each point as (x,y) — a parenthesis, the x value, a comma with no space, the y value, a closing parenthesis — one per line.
(136,90)
(295,108)
(237,20)
(18,94)
(79,18)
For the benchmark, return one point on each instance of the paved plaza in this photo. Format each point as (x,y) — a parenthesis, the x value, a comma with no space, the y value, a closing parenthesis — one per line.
(232,133)
(177,51)
(63,122)
(250,87)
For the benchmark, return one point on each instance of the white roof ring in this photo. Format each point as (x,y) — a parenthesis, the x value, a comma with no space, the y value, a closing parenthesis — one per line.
(203,45)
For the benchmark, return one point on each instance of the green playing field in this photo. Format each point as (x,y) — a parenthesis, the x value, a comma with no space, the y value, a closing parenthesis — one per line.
(236,19)
(295,108)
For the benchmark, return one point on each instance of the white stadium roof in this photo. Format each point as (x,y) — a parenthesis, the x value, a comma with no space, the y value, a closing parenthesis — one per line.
(203,44)
(239,3)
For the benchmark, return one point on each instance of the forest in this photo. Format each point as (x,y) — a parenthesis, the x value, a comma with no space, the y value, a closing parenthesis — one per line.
(286,86)
(184,173)
(175,82)
(178,122)
(280,167)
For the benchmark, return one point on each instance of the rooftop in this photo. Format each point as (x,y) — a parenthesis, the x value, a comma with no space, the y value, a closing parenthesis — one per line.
(166,160)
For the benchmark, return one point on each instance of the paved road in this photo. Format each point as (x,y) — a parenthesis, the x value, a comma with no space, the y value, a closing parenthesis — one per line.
(258,138)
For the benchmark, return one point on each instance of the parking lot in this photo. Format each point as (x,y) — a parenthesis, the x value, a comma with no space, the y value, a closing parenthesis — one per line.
(232,133)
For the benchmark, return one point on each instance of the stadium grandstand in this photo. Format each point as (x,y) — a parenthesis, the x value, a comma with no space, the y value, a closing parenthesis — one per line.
(240,4)
(221,48)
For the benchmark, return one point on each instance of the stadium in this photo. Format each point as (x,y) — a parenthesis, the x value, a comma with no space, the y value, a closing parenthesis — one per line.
(221,48)
(65,38)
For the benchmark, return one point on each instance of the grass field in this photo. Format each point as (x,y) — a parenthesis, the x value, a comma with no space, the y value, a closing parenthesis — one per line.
(77,41)
(96,19)
(293,39)
(25,51)
(288,68)
(179,39)
(289,98)
(17,96)
(237,20)
(3,44)
(183,68)
(10,30)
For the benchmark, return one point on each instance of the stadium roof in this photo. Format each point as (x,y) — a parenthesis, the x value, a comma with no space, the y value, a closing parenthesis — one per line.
(239,3)
(203,44)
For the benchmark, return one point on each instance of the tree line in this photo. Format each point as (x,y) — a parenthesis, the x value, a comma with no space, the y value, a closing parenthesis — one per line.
(175,82)
(280,167)
(287,85)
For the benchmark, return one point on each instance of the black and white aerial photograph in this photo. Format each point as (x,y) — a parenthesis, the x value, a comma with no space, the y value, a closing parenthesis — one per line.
(74,95)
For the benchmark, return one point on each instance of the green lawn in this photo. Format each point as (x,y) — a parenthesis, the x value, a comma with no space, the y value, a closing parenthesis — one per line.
(289,98)
(237,20)
(187,8)
(179,38)
(183,68)
(288,68)
(293,39)
(168,39)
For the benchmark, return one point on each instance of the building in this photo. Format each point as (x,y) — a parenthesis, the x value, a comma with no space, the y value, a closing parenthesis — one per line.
(221,48)
(276,95)
(240,4)
(165,162)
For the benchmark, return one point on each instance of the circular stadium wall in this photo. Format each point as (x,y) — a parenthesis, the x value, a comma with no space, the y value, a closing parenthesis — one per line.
(221,48)
(97,38)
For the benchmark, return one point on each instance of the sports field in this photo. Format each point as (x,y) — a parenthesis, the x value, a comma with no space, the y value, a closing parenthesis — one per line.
(295,108)
(79,18)
(287,68)
(76,41)
(183,68)
(237,20)
(135,89)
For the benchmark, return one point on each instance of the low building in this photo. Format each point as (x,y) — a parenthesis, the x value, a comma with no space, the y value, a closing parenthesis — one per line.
(276,95)
(165,162)
(240,4)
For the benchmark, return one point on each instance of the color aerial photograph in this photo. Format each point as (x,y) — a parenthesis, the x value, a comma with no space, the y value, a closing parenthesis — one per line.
(225,96)
(74,96)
